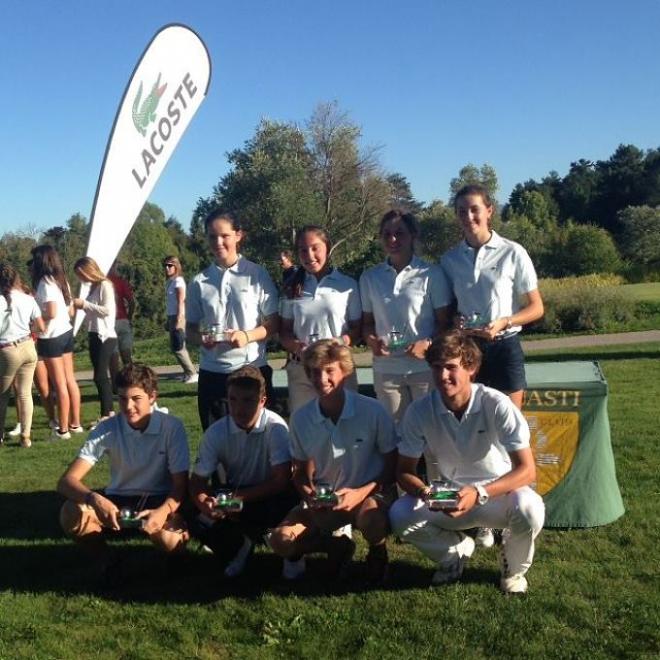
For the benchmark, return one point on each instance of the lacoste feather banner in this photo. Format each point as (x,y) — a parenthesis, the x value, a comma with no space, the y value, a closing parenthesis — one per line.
(167,87)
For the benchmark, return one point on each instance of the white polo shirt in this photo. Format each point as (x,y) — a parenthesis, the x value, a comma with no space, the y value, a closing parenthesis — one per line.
(15,324)
(140,462)
(490,282)
(48,291)
(172,301)
(246,458)
(325,307)
(406,302)
(474,450)
(240,298)
(350,453)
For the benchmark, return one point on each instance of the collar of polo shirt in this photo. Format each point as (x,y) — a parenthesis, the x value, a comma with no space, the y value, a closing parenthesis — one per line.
(474,405)
(153,428)
(495,241)
(347,411)
(415,262)
(259,427)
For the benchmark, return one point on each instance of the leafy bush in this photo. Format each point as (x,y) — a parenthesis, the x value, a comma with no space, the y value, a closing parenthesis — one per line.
(589,303)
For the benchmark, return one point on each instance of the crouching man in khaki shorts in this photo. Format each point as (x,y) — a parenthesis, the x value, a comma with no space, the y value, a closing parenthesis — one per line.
(343,446)
(149,462)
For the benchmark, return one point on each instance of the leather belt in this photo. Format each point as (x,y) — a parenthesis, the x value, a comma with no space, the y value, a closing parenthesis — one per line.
(15,343)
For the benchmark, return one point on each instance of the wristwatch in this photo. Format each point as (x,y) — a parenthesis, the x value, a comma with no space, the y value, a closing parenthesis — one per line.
(482,495)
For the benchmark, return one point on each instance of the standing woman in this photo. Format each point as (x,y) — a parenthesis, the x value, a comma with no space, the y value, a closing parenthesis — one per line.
(19,315)
(401,303)
(495,287)
(55,343)
(175,291)
(240,299)
(319,303)
(100,312)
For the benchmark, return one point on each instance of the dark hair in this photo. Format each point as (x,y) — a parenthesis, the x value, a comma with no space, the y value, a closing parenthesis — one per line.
(408,219)
(293,287)
(9,279)
(474,189)
(455,344)
(136,374)
(221,214)
(248,378)
(46,262)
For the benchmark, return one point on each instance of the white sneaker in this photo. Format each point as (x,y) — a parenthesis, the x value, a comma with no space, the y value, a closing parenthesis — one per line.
(485,537)
(164,409)
(516,584)
(76,429)
(293,570)
(346,530)
(236,566)
(452,573)
(191,380)
(56,434)
(15,431)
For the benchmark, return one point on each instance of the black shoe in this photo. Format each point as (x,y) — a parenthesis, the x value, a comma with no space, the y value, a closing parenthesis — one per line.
(340,552)
(378,566)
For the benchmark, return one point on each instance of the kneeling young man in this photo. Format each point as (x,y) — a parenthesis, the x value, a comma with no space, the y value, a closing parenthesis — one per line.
(149,461)
(480,440)
(348,442)
(249,450)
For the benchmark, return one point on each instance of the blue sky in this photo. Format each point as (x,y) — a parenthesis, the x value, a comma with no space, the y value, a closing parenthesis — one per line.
(527,87)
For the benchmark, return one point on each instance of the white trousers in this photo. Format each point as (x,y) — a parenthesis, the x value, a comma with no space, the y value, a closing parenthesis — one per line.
(520,514)
(397,391)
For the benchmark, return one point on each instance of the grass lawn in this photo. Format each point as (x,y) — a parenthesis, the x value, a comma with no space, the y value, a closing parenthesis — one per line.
(594,593)
(643,292)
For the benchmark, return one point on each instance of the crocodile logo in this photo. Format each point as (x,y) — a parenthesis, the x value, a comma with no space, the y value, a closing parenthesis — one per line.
(145,113)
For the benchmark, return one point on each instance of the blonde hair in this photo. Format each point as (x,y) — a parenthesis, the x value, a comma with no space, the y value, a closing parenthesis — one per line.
(178,269)
(90,269)
(326,351)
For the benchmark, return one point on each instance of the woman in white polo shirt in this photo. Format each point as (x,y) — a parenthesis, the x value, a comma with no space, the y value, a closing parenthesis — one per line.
(55,343)
(240,299)
(175,294)
(319,302)
(19,314)
(100,311)
(494,284)
(401,302)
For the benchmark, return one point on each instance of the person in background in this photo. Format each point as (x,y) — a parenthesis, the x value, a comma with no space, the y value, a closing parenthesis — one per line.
(100,310)
(319,302)
(125,306)
(149,460)
(55,342)
(287,265)
(480,442)
(19,315)
(231,310)
(249,447)
(175,293)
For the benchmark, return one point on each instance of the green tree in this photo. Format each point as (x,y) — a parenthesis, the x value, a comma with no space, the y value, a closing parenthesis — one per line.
(439,230)
(471,174)
(401,195)
(640,240)
(15,249)
(584,250)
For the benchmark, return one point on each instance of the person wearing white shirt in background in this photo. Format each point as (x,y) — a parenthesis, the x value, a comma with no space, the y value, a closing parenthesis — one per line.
(240,298)
(480,441)
(401,302)
(346,441)
(175,294)
(19,314)
(494,284)
(319,302)
(100,311)
(248,450)
(55,343)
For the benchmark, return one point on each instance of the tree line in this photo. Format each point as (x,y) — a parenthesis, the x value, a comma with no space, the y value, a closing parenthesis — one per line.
(602,217)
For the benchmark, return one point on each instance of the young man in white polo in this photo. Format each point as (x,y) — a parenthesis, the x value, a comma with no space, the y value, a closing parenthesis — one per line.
(480,441)
(248,450)
(149,461)
(348,442)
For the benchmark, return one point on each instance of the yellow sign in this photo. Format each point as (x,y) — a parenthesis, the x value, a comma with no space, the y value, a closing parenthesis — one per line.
(554,443)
